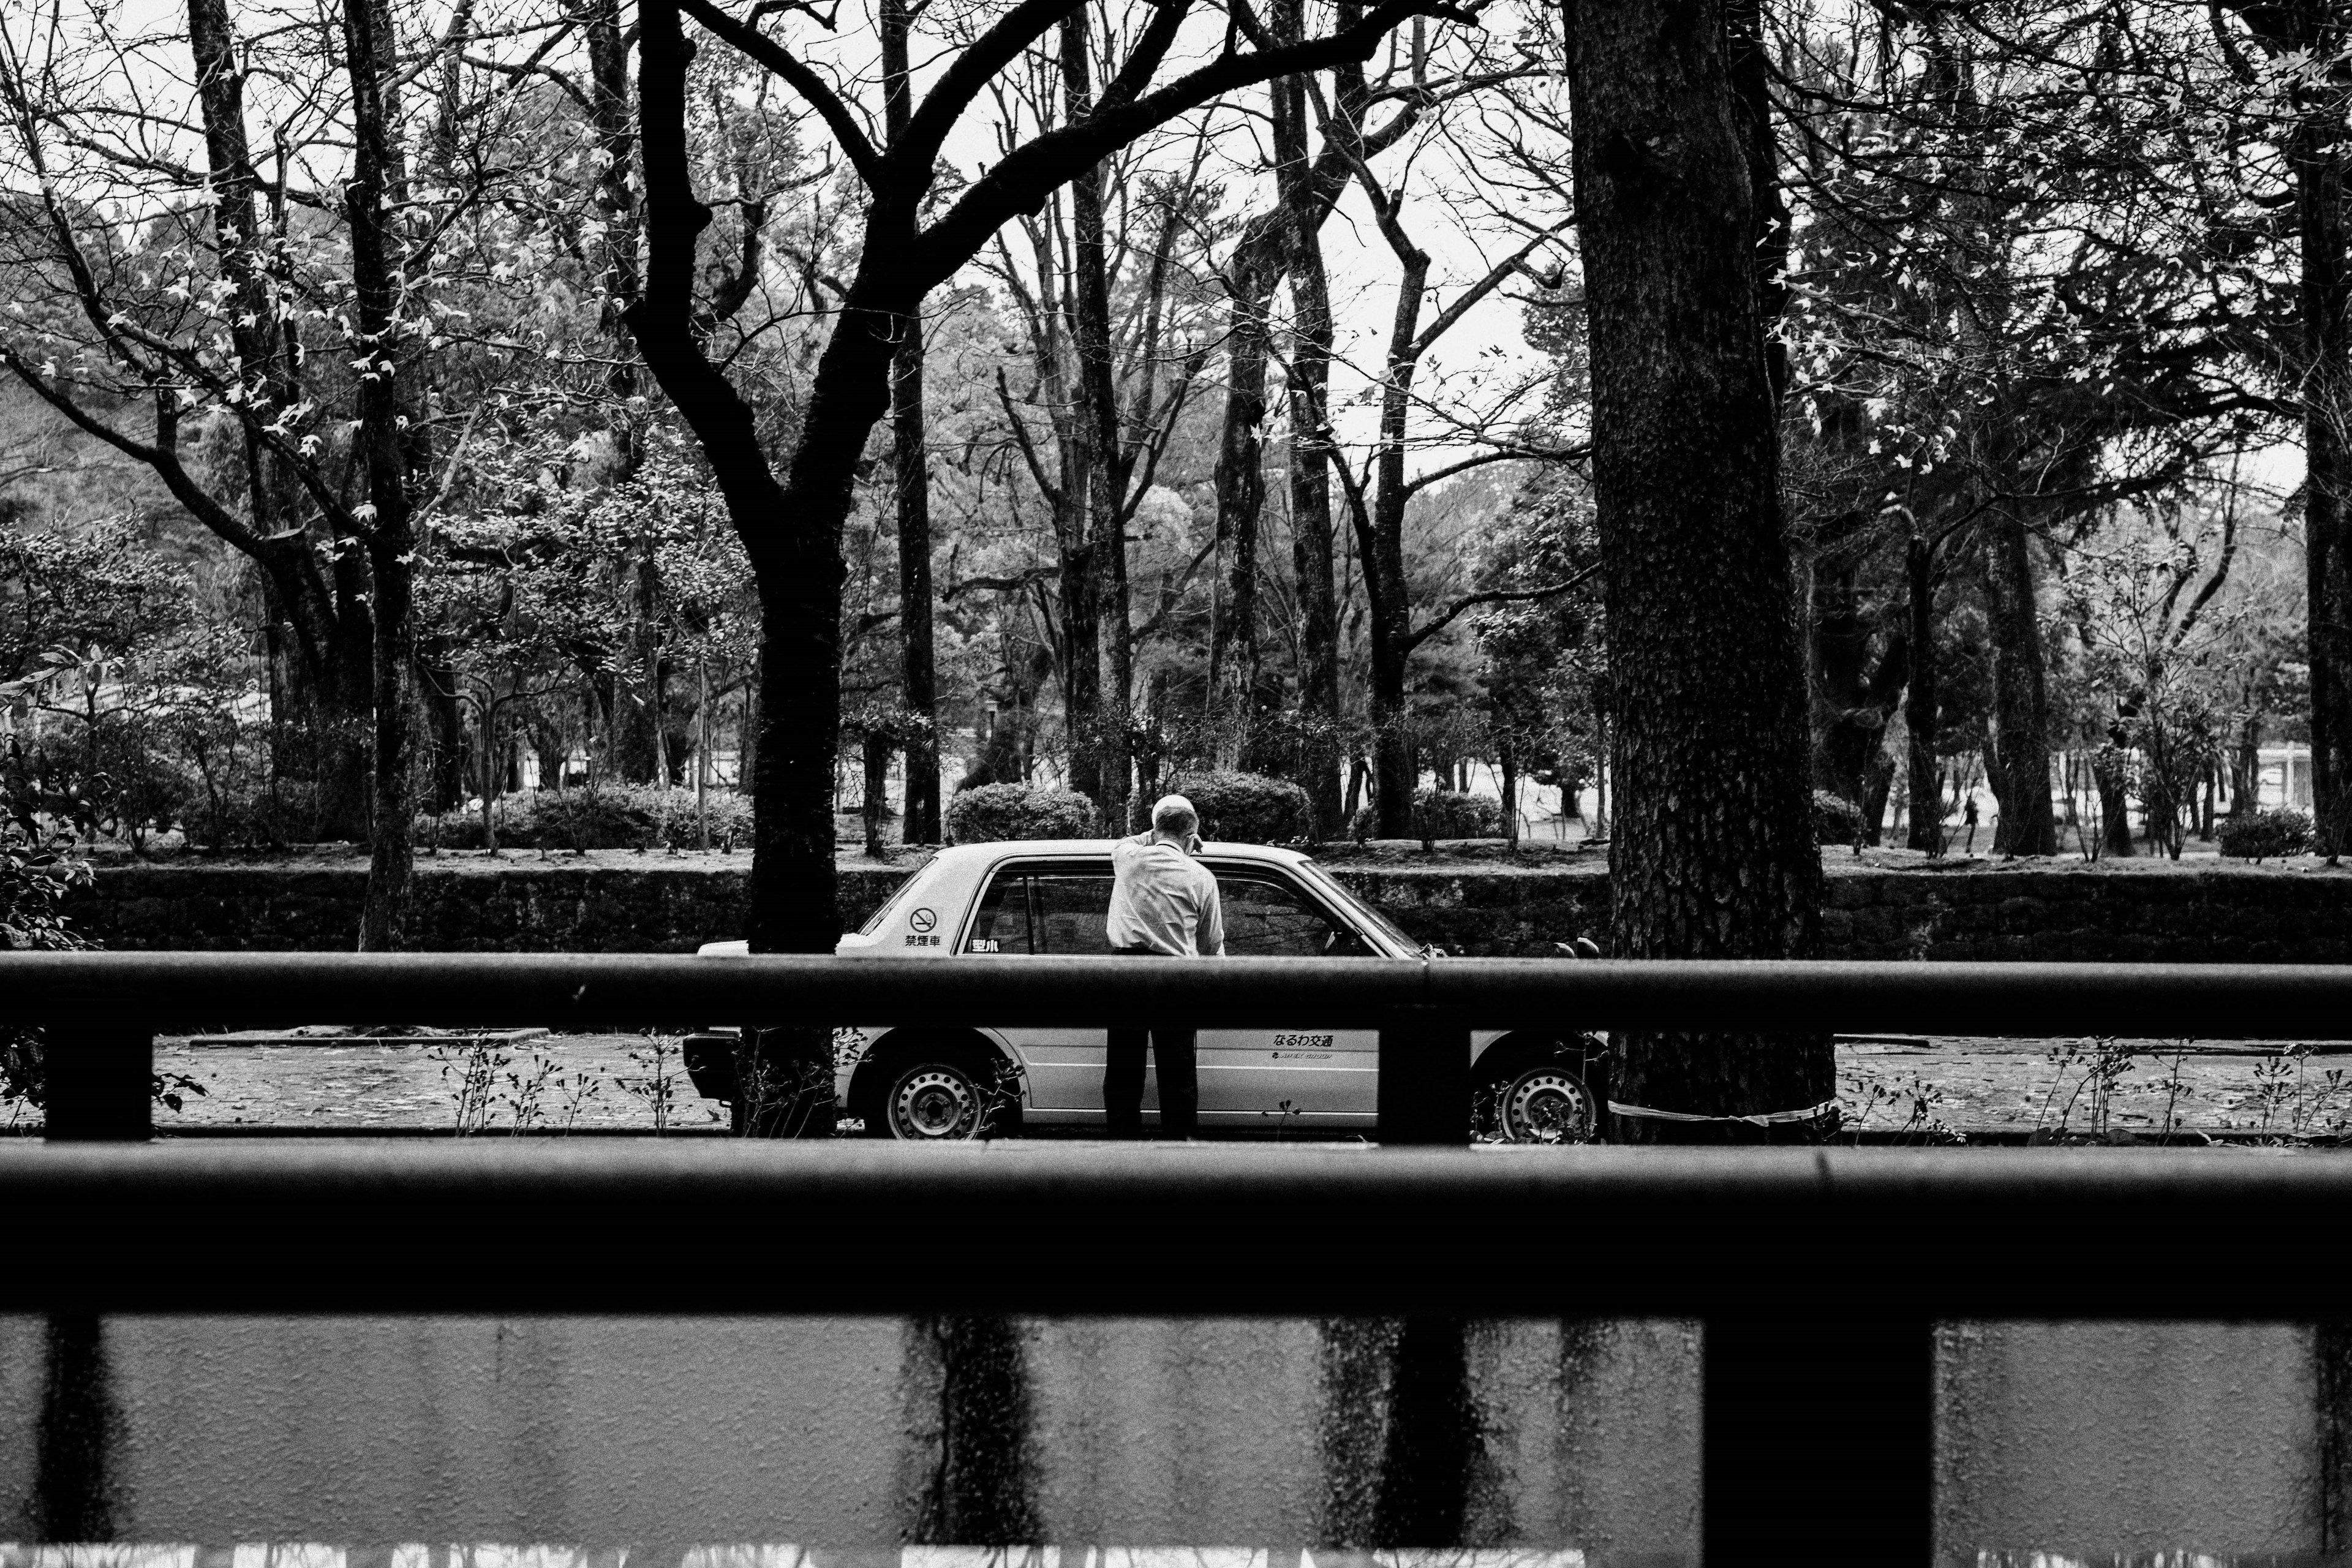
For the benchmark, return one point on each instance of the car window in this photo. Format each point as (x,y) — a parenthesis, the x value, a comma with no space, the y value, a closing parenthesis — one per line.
(1266,919)
(1073,909)
(1347,900)
(1001,924)
(898,895)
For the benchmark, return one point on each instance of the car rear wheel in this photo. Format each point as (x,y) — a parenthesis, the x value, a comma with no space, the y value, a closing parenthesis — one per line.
(935,1102)
(1543,1103)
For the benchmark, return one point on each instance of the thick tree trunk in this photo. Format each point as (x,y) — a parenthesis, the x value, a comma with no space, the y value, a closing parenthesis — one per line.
(2325,230)
(1713,855)
(2019,765)
(1922,712)
(792,535)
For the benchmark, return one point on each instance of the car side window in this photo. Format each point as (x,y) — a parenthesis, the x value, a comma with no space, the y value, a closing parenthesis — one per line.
(1001,924)
(1266,919)
(1073,910)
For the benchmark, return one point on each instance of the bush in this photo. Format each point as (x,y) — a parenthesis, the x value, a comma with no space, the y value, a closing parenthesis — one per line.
(607,816)
(1440,814)
(2267,832)
(1247,808)
(991,814)
(1837,820)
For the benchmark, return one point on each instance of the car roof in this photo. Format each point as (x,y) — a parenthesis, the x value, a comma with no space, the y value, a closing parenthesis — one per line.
(1005,848)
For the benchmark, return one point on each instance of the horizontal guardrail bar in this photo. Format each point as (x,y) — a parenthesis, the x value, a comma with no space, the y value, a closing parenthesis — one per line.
(781,1228)
(156,990)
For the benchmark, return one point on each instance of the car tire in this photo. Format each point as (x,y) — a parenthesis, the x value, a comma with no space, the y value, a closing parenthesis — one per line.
(1542,1101)
(934,1099)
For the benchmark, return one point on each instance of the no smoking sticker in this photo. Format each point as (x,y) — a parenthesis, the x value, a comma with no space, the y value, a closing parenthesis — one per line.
(923,919)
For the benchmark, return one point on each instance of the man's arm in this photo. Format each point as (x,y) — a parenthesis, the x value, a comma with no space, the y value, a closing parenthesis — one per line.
(1210,938)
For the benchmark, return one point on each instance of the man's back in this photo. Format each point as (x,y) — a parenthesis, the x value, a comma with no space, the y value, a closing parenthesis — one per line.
(1162,901)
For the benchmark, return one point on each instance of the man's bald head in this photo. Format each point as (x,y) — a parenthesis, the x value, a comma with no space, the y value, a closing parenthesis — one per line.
(1174,816)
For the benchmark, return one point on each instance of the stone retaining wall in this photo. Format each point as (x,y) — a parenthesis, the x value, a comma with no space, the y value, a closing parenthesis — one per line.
(625,904)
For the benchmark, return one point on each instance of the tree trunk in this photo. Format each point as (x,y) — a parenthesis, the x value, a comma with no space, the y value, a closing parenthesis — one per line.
(1394,770)
(1094,426)
(1241,487)
(2109,778)
(1852,695)
(2020,770)
(2246,770)
(918,822)
(326,705)
(1507,759)
(791,532)
(1713,855)
(1307,390)
(876,802)
(1922,711)
(384,453)
(2324,231)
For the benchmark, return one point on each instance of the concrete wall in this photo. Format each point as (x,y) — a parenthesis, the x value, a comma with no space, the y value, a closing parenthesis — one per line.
(861,1434)
(654,904)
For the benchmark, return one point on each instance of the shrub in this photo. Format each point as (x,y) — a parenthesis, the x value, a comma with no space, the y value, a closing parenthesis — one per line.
(1440,814)
(1247,808)
(991,814)
(1837,820)
(607,816)
(2267,832)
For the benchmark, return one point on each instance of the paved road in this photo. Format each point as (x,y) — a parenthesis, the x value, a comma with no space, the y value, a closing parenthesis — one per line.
(611,1080)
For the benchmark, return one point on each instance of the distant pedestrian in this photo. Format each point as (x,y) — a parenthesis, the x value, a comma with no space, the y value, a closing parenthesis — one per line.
(1163,904)
(1969,816)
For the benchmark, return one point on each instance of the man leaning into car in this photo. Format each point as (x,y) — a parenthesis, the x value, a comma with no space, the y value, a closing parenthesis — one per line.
(1163,903)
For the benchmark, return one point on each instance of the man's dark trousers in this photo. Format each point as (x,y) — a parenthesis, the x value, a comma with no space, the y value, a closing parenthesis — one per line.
(1173,1052)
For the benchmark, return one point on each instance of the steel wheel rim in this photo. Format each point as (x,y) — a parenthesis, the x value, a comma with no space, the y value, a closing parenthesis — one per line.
(1547,1106)
(936,1104)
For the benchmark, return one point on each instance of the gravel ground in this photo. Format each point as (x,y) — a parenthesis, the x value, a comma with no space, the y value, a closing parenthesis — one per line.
(609,1082)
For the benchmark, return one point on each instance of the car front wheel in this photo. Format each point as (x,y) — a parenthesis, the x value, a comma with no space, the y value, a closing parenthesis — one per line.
(1545,1102)
(935,1102)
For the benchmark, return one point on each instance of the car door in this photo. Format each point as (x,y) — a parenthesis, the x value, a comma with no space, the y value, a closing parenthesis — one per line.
(1069,908)
(1301,1077)
(1064,1065)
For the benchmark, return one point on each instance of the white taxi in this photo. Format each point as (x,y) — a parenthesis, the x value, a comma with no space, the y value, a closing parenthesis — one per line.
(974,902)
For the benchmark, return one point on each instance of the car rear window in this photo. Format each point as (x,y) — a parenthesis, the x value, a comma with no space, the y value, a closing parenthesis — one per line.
(874,921)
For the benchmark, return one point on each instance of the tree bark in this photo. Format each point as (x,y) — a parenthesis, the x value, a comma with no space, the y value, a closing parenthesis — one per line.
(919,823)
(1311,542)
(2324,230)
(1922,713)
(1096,447)
(1713,854)
(1250,279)
(383,451)
(791,533)
(2020,770)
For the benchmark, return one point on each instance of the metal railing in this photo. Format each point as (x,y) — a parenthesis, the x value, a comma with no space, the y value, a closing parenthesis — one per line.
(1818,1273)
